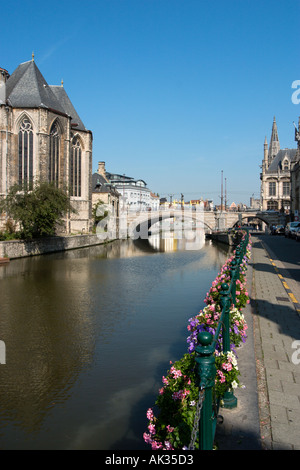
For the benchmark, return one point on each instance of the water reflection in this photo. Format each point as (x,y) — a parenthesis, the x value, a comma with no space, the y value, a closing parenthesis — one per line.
(193,239)
(88,334)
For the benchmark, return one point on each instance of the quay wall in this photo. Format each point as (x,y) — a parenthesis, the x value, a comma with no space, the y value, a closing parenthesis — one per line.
(222,237)
(19,248)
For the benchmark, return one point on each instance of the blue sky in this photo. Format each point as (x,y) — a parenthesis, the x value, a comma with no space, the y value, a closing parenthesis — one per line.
(174,91)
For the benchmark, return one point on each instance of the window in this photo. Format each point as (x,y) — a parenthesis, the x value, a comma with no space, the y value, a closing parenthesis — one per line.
(272,189)
(285,188)
(26,153)
(54,154)
(75,168)
(285,165)
(272,206)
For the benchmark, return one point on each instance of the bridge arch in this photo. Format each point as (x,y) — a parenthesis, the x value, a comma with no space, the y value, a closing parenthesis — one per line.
(252,216)
(141,226)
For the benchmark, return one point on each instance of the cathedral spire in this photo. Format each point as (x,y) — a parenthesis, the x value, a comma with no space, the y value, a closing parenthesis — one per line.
(274,136)
(274,142)
(266,152)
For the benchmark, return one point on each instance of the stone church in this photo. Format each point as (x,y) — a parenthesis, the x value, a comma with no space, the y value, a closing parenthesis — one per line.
(276,174)
(43,138)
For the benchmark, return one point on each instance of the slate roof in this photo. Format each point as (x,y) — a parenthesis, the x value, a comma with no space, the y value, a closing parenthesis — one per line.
(100,185)
(277,161)
(27,88)
(69,109)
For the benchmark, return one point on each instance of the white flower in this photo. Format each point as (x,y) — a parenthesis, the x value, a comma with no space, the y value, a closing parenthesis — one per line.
(234,384)
(232,358)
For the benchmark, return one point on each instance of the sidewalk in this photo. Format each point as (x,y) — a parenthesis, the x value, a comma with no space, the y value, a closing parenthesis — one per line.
(268,411)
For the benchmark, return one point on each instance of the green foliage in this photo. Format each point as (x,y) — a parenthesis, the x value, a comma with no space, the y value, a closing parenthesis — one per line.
(38,211)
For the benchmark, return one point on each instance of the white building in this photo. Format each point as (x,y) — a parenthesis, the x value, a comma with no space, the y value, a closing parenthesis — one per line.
(134,194)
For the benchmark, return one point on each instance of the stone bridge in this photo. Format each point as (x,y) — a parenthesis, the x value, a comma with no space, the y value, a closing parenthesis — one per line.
(208,220)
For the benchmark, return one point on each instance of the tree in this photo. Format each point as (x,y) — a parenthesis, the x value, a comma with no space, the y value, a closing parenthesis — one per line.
(38,211)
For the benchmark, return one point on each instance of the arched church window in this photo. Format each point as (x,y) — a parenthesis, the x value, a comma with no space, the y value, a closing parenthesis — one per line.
(75,168)
(26,153)
(54,151)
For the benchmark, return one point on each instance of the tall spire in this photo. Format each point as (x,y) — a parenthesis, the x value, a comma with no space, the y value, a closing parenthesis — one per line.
(274,142)
(266,153)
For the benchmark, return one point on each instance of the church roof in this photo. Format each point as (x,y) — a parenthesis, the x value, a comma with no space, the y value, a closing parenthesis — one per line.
(68,107)
(276,162)
(27,88)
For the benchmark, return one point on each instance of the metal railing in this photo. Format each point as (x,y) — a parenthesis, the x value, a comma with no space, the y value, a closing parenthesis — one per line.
(205,423)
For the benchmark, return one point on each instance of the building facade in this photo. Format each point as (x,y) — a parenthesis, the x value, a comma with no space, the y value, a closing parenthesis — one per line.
(295,179)
(276,175)
(104,191)
(42,138)
(134,194)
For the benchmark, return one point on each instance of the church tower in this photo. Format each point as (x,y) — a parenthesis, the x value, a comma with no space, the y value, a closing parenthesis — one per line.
(265,162)
(274,143)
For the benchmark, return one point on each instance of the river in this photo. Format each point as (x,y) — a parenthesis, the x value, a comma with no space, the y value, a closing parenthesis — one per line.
(89,334)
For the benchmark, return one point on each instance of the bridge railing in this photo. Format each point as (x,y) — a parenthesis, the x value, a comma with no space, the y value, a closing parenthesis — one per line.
(205,357)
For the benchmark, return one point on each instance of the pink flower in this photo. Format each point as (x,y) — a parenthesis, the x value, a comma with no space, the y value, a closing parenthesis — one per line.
(151,428)
(168,446)
(150,414)
(156,445)
(227,367)
(221,376)
(169,428)
(147,438)
(176,373)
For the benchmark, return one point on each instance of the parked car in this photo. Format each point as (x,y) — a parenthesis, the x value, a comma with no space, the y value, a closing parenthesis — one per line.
(297,234)
(290,229)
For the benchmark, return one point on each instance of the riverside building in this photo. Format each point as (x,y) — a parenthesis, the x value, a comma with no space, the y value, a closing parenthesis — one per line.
(276,174)
(43,138)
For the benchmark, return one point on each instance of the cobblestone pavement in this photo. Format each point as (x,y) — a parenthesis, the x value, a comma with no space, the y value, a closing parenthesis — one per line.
(268,411)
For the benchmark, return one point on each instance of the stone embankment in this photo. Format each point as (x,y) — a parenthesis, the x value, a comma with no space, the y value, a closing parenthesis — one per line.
(13,249)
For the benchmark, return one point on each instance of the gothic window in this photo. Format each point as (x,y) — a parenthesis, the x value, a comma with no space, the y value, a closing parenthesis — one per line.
(285,188)
(272,189)
(75,168)
(54,154)
(285,165)
(26,153)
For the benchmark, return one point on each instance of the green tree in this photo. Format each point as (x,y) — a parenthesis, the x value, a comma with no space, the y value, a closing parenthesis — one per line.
(38,211)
